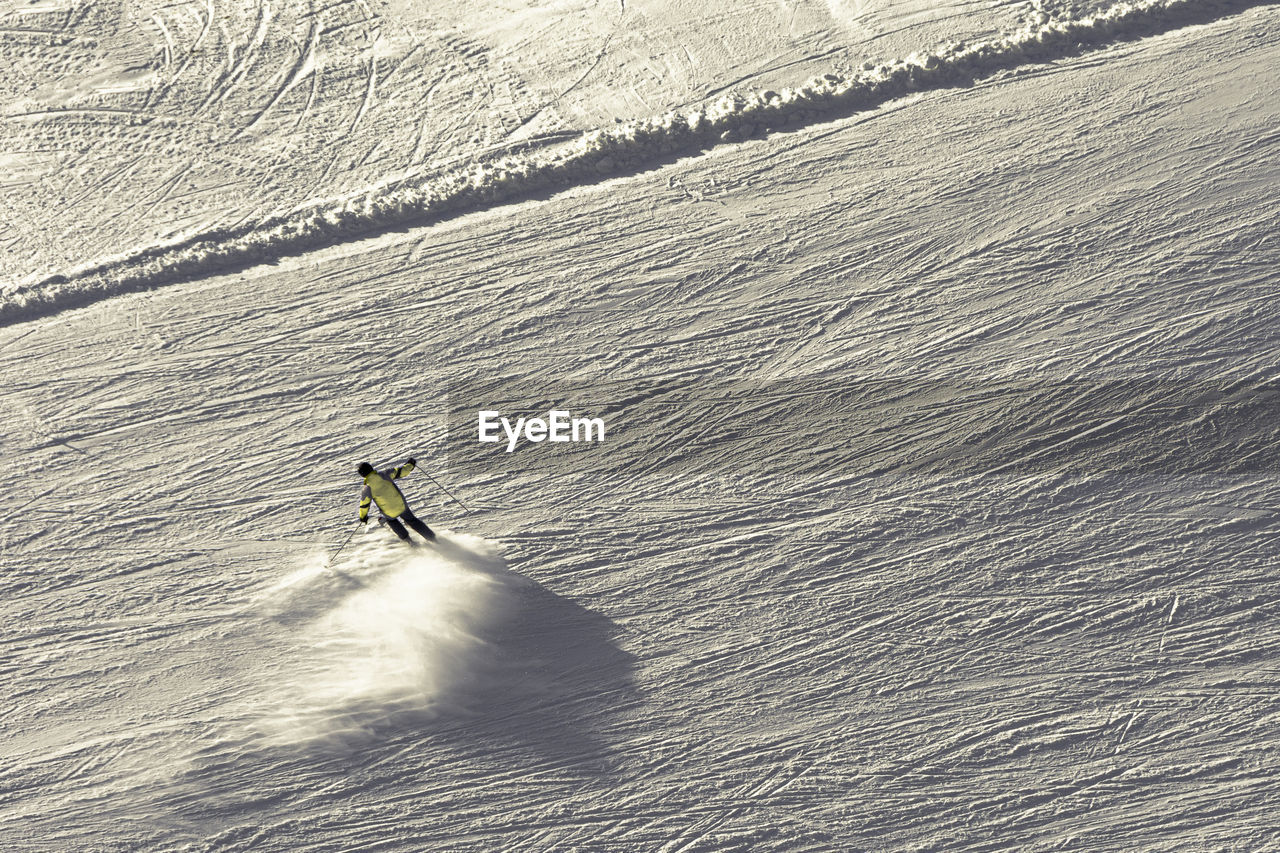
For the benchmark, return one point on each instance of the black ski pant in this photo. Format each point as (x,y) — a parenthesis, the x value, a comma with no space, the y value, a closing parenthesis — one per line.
(412,520)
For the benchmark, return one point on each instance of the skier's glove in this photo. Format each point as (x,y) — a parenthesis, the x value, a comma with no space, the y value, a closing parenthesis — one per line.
(413,461)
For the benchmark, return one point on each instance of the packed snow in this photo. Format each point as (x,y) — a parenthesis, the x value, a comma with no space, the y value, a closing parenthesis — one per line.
(632,145)
(935,505)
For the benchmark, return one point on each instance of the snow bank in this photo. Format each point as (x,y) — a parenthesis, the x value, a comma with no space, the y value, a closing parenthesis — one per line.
(388,632)
(616,149)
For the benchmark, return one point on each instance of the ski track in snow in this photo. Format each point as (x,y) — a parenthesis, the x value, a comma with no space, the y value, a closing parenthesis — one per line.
(489,179)
(207,114)
(938,508)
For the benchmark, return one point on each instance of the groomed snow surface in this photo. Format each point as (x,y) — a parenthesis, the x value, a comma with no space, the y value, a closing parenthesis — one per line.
(492,180)
(937,507)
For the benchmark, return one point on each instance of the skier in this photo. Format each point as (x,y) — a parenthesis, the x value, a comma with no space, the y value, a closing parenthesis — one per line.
(379,487)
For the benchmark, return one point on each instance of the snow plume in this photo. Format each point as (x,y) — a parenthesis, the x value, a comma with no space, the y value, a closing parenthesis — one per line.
(388,633)
(616,149)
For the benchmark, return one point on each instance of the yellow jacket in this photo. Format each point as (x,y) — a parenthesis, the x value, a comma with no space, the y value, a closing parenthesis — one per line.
(378,486)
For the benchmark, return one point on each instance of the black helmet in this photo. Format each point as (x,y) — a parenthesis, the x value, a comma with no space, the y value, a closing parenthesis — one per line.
(365,469)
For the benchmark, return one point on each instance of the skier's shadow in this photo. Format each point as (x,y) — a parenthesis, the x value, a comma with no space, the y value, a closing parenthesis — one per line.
(520,678)
(551,676)
(513,667)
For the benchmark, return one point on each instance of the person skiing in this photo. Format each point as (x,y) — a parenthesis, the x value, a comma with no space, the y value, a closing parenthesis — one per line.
(379,487)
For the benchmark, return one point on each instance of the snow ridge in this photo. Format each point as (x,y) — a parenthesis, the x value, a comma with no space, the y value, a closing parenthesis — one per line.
(600,153)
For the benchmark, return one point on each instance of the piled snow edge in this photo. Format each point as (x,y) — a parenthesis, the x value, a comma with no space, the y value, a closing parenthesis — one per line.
(617,149)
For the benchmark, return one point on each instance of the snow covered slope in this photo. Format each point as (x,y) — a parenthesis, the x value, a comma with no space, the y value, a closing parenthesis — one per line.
(127,124)
(486,179)
(935,511)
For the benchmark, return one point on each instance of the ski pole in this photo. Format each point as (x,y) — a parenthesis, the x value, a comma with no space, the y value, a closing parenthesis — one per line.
(329,562)
(447,492)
